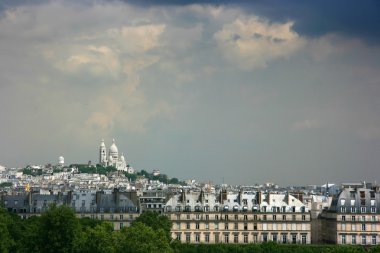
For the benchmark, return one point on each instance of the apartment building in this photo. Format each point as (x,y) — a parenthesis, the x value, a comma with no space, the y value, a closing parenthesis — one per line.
(353,217)
(119,208)
(243,217)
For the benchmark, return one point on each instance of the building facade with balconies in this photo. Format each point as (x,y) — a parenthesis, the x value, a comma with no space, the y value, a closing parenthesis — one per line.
(243,217)
(353,217)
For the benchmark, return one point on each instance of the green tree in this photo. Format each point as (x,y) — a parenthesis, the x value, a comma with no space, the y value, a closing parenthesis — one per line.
(98,239)
(140,238)
(6,239)
(86,222)
(156,221)
(59,230)
(31,241)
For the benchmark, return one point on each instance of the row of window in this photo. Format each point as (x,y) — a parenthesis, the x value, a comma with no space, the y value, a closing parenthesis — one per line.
(353,209)
(359,218)
(110,217)
(343,239)
(243,226)
(263,217)
(226,208)
(353,227)
(283,238)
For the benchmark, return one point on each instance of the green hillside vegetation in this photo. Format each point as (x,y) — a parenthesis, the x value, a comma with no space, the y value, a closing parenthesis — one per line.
(104,170)
(59,230)
(162,178)
(98,169)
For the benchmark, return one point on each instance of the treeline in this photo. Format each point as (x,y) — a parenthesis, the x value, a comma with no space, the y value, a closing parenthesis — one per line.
(59,230)
(270,247)
(162,178)
(98,169)
(104,170)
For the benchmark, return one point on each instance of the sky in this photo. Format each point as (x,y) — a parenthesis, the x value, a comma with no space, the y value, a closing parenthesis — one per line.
(240,92)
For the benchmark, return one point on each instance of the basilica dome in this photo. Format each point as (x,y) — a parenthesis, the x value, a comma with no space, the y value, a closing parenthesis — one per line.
(113,151)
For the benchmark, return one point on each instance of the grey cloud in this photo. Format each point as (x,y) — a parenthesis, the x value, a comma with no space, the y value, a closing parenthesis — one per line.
(178,102)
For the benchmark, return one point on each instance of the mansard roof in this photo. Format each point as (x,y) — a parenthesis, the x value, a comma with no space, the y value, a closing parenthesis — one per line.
(357,200)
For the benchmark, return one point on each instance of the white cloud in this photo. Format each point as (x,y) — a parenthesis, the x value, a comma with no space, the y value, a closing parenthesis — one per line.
(252,42)
(137,39)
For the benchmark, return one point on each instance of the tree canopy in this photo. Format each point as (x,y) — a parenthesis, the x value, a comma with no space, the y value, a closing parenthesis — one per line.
(156,221)
(59,230)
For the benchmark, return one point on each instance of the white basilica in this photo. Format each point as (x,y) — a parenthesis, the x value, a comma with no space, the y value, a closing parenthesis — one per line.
(113,159)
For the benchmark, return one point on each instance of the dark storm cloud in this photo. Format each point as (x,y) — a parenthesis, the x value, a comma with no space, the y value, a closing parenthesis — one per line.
(312,18)
(205,92)
(8,4)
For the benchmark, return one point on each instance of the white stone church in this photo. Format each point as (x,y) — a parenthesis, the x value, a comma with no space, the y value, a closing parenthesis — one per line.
(112,158)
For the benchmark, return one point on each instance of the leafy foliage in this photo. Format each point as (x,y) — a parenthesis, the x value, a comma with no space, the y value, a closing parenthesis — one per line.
(5,184)
(98,239)
(140,238)
(59,230)
(156,221)
(162,178)
(32,172)
(99,169)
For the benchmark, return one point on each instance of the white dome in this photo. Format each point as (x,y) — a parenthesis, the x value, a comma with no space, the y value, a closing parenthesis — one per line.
(102,145)
(122,158)
(113,148)
(61,160)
